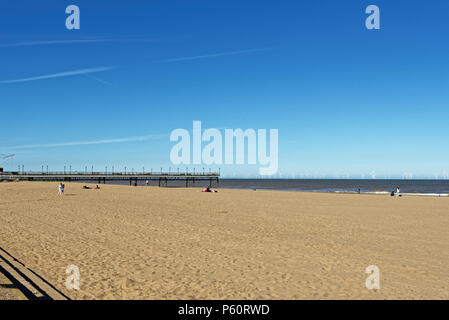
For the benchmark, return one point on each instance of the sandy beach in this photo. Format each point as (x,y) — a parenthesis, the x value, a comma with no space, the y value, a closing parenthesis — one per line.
(8,291)
(176,243)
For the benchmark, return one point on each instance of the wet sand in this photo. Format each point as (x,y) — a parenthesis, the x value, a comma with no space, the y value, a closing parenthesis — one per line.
(166,243)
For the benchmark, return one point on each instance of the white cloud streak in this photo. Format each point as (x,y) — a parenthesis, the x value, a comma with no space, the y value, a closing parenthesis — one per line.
(213,55)
(84,41)
(99,80)
(93,142)
(60,74)
(53,42)
(101,69)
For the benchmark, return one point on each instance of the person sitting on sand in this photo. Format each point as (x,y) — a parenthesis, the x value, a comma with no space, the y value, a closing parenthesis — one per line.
(208,189)
(397,191)
(97,187)
(86,187)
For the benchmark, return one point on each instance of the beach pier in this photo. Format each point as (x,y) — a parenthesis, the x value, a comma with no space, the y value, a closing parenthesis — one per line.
(212,177)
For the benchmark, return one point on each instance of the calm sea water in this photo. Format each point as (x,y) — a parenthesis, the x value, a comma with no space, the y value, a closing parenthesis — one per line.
(321,185)
(341,185)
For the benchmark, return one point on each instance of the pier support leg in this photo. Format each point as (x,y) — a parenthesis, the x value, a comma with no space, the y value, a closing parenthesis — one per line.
(159,182)
(130,181)
(187,182)
(218,183)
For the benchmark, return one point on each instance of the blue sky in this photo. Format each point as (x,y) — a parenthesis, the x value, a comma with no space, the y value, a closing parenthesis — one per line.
(347,101)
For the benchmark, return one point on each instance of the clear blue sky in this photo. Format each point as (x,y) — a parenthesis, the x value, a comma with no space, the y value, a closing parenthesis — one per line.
(346,100)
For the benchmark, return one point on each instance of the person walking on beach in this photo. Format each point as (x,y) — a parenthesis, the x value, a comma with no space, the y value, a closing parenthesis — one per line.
(61,188)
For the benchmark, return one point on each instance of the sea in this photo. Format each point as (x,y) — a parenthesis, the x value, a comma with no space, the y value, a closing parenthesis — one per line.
(377,186)
(341,185)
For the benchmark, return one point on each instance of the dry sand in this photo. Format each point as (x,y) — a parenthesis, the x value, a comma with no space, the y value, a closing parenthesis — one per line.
(161,243)
(8,291)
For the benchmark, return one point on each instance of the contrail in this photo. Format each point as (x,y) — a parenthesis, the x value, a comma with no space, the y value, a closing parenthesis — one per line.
(101,69)
(84,143)
(60,74)
(85,41)
(49,42)
(213,55)
(98,79)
